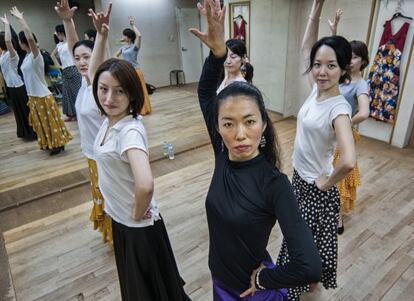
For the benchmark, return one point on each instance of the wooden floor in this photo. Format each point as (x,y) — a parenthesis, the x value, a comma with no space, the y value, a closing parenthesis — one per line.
(60,258)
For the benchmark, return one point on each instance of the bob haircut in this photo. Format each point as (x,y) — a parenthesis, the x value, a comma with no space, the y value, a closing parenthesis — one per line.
(237,88)
(343,52)
(127,77)
(360,49)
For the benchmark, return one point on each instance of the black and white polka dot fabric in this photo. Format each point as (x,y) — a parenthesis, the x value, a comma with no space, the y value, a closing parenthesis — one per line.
(321,212)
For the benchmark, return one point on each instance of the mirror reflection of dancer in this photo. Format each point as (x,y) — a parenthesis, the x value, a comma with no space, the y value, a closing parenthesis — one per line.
(129,52)
(247,193)
(323,121)
(9,60)
(356,93)
(70,76)
(236,66)
(44,115)
(87,58)
(145,262)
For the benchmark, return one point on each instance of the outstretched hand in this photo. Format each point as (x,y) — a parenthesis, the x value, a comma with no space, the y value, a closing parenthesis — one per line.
(16,13)
(4,20)
(131,20)
(333,25)
(64,11)
(252,290)
(214,36)
(101,20)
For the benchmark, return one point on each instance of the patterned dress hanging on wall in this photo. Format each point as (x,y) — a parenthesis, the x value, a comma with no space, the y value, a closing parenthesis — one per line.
(384,74)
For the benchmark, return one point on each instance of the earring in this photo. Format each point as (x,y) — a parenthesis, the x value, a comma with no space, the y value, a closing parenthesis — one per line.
(243,69)
(222,146)
(263,142)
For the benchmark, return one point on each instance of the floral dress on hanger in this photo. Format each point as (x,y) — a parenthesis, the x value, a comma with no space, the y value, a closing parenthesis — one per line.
(384,74)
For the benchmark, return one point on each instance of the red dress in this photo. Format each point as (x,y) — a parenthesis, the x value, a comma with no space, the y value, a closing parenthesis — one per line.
(384,74)
(239,32)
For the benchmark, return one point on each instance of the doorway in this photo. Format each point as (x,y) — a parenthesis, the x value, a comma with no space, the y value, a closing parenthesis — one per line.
(190,46)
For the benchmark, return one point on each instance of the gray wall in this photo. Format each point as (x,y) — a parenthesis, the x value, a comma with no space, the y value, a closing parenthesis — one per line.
(42,18)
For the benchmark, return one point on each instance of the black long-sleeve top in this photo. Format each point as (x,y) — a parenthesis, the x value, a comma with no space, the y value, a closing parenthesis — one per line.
(243,203)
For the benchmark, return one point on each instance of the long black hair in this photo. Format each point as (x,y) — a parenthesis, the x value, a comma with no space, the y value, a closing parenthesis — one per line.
(343,52)
(271,149)
(239,47)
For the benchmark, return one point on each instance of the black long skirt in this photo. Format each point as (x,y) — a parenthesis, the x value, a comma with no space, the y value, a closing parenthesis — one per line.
(71,84)
(21,111)
(146,266)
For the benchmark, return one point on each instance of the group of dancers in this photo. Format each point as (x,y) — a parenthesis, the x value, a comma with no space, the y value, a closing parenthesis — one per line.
(248,193)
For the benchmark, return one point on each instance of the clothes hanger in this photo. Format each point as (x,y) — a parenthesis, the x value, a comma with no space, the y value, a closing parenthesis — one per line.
(400,15)
(239,16)
(398,12)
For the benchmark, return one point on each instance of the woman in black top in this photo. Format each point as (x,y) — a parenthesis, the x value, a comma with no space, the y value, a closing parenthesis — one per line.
(247,193)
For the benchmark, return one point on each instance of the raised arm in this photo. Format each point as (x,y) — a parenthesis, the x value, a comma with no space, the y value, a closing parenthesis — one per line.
(27,32)
(213,66)
(101,23)
(333,25)
(8,36)
(66,14)
(311,33)
(137,32)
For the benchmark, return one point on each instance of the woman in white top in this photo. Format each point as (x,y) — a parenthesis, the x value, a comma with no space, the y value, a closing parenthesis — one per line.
(145,262)
(9,60)
(87,57)
(236,66)
(129,52)
(70,75)
(323,122)
(355,91)
(44,116)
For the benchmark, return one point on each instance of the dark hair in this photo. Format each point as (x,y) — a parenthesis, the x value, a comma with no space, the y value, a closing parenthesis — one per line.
(91,33)
(237,88)
(86,43)
(23,40)
(342,50)
(239,47)
(360,49)
(56,39)
(127,77)
(2,40)
(60,29)
(130,34)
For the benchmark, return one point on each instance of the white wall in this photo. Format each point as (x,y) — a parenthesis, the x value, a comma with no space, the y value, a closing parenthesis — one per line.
(42,18)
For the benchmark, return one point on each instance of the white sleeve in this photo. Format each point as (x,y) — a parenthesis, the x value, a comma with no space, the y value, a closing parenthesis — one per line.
(14,61)
(343,108)
(132,138)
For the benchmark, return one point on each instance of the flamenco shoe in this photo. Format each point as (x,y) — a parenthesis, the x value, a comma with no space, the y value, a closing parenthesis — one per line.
(341,228)
(57,150)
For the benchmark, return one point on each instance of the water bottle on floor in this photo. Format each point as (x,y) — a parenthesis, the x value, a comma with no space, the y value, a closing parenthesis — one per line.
(170,151)
(165,148)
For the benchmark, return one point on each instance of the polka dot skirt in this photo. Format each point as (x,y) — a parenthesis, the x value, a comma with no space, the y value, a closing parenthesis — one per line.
(321,212)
